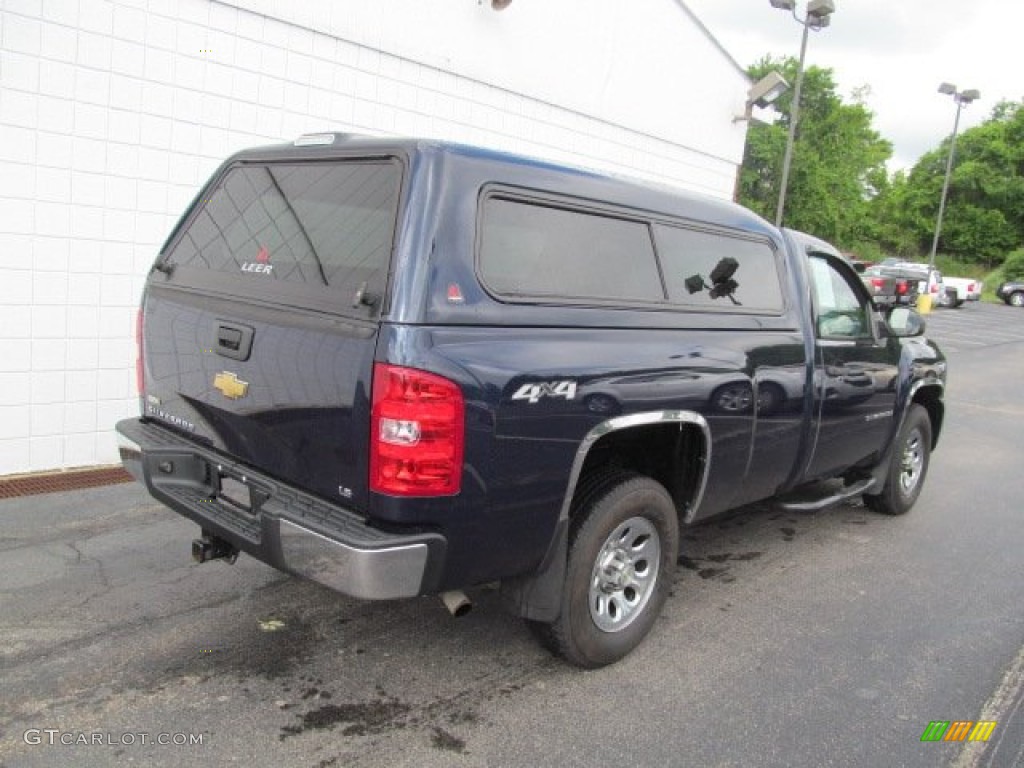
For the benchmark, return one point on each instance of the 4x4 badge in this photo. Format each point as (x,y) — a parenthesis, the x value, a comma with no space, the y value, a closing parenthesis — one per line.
(230,385)
(534,392)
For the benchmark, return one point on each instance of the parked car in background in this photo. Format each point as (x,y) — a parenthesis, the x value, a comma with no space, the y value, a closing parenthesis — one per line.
(928,279)
(1012,292)
(959,290)
(890,285)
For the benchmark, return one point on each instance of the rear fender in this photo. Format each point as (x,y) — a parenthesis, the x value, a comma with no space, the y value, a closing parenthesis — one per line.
(538,596)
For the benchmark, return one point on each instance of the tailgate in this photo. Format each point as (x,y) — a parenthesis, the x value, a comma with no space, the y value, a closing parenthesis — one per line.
(260,319)
(883,288)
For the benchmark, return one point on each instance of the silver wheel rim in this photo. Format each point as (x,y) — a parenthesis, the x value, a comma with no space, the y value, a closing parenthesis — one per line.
(1017,299)
(911,462)
(624,574)
(734,399)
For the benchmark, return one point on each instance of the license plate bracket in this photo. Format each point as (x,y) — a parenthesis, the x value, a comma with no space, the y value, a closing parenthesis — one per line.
(235,493)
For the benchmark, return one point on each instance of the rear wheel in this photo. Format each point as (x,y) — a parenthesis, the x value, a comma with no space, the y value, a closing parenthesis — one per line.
(908,466)
(622,553)
(1017,299)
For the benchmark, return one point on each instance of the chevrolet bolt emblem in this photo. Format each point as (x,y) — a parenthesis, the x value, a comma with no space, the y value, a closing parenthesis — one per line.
(230,385)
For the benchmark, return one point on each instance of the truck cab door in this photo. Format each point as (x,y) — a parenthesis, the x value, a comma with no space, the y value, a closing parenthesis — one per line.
(855,371)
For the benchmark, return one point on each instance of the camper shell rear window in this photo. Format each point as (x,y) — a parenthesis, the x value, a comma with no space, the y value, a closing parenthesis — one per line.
(313,233)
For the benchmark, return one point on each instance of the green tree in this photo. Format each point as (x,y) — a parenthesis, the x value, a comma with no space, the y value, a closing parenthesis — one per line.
(838,162)
(1013,266)
(896,218)
(984,215)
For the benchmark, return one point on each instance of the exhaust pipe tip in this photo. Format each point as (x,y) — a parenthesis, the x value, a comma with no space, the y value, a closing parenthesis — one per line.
(457,603)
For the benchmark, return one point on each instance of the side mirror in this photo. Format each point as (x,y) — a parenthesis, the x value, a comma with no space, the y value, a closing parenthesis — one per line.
(903,321)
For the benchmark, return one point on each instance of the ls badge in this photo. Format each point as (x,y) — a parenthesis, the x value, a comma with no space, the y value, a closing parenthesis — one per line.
(230,385)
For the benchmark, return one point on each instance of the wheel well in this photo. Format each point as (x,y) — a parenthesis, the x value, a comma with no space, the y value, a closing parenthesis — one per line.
(672,454)
(930,398)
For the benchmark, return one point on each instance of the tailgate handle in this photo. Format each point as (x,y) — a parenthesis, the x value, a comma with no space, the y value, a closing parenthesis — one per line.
(233,340)
(230,338)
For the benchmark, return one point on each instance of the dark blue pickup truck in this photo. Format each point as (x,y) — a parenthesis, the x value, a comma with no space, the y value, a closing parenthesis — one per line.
(403,367)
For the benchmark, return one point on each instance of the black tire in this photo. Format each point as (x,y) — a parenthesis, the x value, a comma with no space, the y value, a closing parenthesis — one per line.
(959,303)
(1016,299)
(908,466)
(770,397)
(605,613)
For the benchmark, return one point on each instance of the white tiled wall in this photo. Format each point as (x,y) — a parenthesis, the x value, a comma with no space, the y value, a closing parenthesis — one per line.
(112,112)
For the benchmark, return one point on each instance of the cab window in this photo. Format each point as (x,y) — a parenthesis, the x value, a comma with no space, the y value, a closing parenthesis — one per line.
(839,311)
(747,270)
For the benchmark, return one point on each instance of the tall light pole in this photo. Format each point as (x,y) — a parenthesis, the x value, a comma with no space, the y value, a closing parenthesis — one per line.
(961,98)
(816,18)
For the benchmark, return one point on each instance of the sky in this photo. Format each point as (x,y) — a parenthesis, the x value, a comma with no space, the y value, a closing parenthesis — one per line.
(901,49)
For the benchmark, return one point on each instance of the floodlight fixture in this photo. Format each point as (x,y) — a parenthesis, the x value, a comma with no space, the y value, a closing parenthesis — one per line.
(767,89)
(820,9)
(763,93)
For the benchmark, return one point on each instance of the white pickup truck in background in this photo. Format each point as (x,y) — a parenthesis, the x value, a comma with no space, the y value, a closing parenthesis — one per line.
(945,291)
(958,290)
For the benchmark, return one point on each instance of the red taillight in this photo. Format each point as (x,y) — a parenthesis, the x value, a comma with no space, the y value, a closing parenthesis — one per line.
(934,288)
(901,287)
(140,379)
(416,439)
(970,287)
(877,282)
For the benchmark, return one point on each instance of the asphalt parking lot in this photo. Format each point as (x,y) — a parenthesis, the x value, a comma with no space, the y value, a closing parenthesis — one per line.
(821,639)
(975,326)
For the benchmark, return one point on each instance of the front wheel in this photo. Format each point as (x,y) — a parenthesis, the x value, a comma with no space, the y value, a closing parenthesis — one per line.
(1017,299)
(737,397)
(907,467)
(622,553)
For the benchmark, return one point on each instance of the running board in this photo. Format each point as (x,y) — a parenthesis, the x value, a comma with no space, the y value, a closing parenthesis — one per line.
(861,486)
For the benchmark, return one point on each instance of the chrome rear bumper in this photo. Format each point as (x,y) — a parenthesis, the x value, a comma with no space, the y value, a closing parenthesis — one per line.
(288,529)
